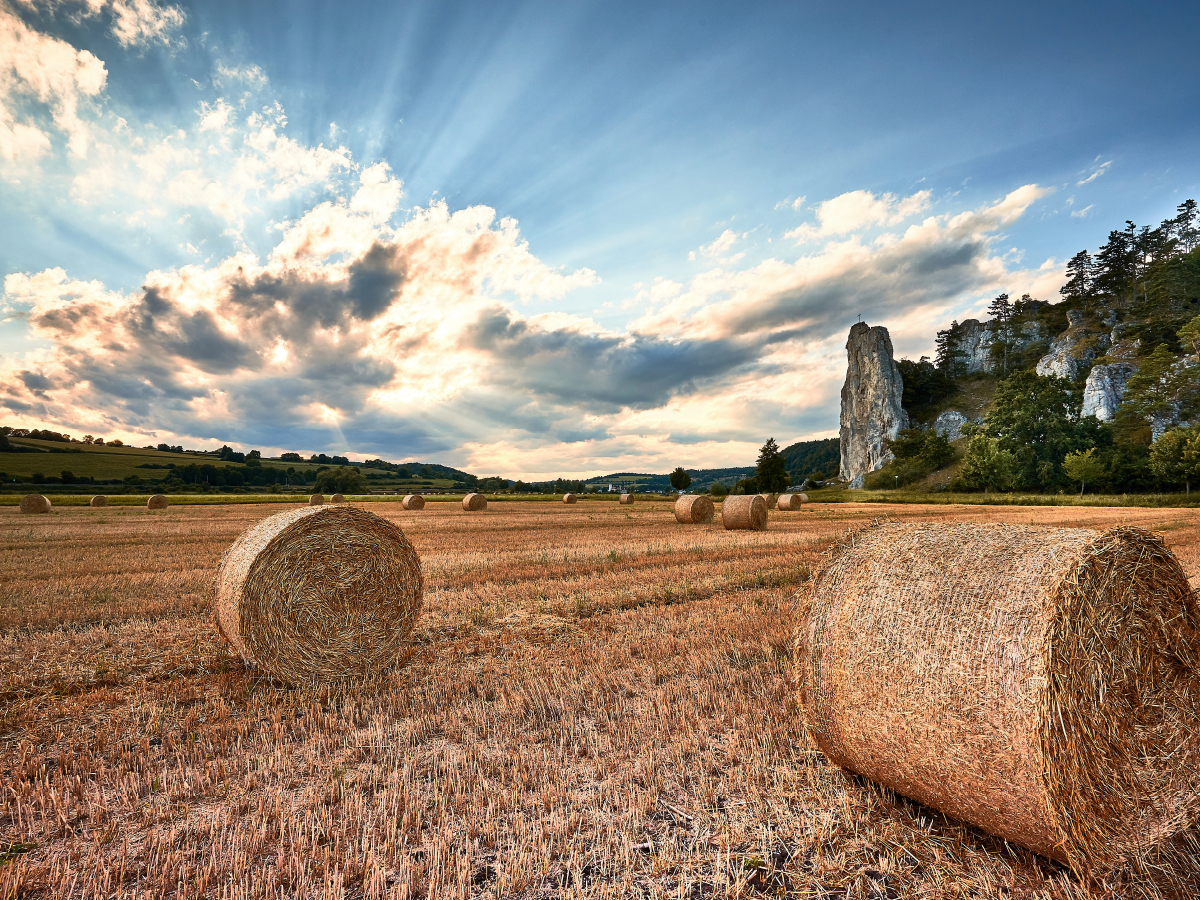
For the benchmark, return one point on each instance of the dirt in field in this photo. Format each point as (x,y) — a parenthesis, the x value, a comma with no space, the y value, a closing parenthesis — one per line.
(597,705)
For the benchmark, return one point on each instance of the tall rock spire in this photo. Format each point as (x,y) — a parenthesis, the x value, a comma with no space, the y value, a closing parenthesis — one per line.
(871,410)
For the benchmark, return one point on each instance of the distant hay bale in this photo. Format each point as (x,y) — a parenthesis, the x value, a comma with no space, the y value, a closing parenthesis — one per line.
(35,503)
(413,501)
(626,500)
(158,501)
(474,502)
(1042,684)
(316,500)
(338,498)
(770,499)
(569,498)
(744,512)
(791,502)
(803,498)
(319,594)
(98,500)
(694,509)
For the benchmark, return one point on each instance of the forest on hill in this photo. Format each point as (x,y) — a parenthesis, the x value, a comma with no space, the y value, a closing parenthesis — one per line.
(1099,391)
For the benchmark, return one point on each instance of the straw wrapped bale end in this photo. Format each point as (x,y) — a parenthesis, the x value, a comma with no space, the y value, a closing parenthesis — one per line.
(744,512)
(791,502)
(316,500)
(98,500)
(474,502)
(319,594)
(158,501)
(1042,684)
(35,503)
(413,501)
(694,509)
(569,498)
(338,498)
(626,500)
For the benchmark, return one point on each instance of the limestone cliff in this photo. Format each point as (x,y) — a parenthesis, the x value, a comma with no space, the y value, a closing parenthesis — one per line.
(1105,389)
(871,411)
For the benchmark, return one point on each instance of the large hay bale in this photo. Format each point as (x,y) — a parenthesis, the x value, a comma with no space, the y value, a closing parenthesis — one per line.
(791,502)
(413,501)
(1042,684)
(744,512)
(338,498)
(474,502)
(694,509)
(158,501)
(626,500)
(316,500)
(98,500)
(569,498)
(319,594)
(35,503)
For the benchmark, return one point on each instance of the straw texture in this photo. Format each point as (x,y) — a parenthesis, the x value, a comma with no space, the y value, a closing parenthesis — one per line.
(569,498)
(626,500)
(35,503)
(694,509)
(98,500)
(413,501)
(158,501)
(1042,684)
(319,594)
(791,502)
(316,500)
(744,512)
(338,498)
(474,502)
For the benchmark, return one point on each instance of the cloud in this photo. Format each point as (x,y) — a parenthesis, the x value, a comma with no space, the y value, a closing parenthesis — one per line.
(1096,173)
(250,75)
(1082,213)
(857,210)
(718,248)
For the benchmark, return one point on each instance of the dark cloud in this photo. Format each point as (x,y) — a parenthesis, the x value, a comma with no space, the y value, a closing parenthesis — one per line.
(375,282)
(614,372)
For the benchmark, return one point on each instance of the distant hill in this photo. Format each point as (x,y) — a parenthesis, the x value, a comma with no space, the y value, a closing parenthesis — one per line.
(813,459)
(701,479)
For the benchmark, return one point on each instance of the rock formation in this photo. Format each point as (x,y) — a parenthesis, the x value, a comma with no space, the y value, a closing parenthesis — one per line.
(949,424)
(1104,390)
(1073,349)
(975,342)
(871,411)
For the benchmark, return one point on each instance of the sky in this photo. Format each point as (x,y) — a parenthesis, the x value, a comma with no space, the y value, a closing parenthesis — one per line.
(545,239)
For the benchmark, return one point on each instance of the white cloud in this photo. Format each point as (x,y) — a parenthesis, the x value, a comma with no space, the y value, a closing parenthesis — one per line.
(1082,213)
(250,74)
(857,210)
(1096,173)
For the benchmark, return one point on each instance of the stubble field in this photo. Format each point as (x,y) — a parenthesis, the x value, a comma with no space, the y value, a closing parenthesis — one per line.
(597,704)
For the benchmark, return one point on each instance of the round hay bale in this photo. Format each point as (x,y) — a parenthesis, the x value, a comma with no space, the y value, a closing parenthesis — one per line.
(35,503)
(744,512)
(770,499)
(338,498)
(316,500)
(694,509)
(791,502)
(319,594)
(98,500)
(158,501)
(1042,684)
(803,498)
(626,500)
(569,498)
(474,502)
(413,501)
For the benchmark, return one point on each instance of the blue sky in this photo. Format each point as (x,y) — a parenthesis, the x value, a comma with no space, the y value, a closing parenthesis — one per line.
(684,207)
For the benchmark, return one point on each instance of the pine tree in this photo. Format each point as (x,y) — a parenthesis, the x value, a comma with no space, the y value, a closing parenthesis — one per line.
(1187,225)
(771,473)
(1081,272)
(949,356)
(1001,311)
(1115,267)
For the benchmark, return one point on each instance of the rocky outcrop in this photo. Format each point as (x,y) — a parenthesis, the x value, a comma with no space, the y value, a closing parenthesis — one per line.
(1104,390)
(1072,351)
(871,410)
(975,342)
(949,424)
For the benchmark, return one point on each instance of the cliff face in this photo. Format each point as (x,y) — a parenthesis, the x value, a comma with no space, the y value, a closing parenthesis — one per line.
(871,411)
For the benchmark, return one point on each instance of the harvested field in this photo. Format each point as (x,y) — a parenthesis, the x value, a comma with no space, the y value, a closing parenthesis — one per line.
(597,704)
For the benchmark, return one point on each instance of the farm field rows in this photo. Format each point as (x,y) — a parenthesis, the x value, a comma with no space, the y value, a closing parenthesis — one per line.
(597,704)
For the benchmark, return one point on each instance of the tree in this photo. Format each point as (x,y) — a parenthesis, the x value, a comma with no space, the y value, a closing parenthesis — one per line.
(1116,268)
(346,480)
(925,386)
(1001,311)
(1187,226)
(1189,336)
(1175,456)
(771,471)
(986,466)
(949,356)
(718,491)
(1083,466)
(1150,393)
(1081,272)
(680,480)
